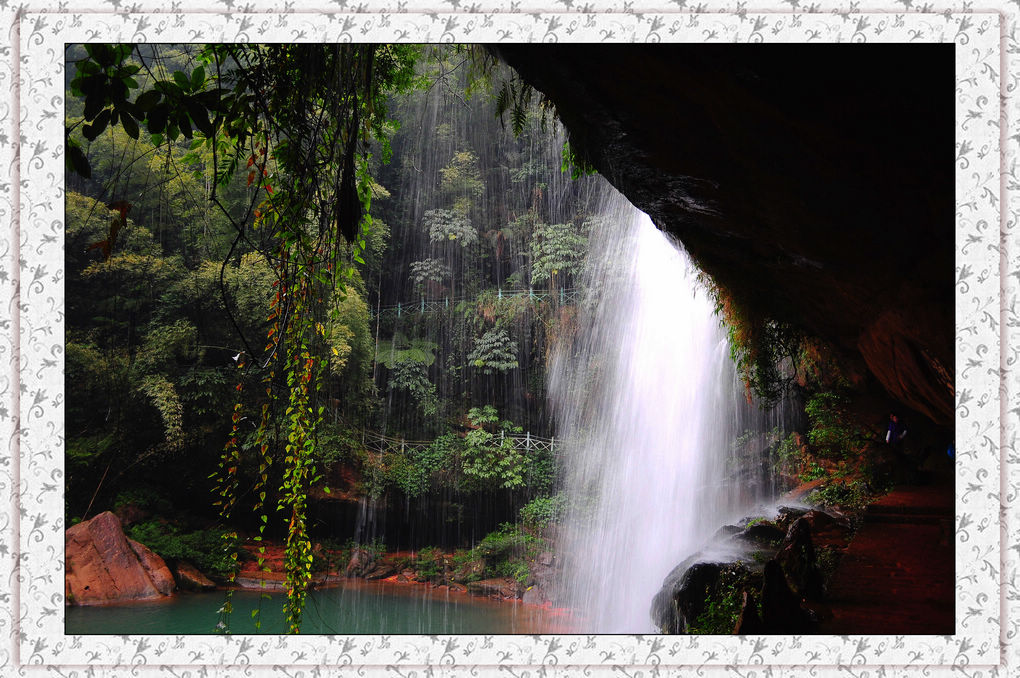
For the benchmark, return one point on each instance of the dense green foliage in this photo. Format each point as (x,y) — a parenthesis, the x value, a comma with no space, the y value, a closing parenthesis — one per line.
(203,548)
(232,103)
(764,349)
(231,236)
(833,433)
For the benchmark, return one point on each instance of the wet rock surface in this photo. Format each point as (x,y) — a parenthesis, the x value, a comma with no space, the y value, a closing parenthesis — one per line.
(361,562)
(190,578)
(772,564)
(676,607)
(499,587)
(797,561)
(902,552)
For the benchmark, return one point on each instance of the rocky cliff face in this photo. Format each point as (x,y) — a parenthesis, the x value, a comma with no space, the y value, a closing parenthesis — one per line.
(815,183)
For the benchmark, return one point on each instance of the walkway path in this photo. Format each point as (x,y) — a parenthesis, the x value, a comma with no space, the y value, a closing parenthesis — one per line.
(522,442)
(897,576)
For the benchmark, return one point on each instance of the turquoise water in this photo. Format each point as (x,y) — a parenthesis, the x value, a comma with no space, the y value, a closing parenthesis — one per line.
(352,608)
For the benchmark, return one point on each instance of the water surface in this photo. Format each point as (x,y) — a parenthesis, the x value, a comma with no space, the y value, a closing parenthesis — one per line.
(355,607)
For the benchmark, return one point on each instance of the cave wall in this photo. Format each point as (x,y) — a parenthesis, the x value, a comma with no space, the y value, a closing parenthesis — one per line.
(814,182)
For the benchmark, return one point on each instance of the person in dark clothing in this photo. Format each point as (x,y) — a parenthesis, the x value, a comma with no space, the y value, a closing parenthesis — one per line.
(896,432)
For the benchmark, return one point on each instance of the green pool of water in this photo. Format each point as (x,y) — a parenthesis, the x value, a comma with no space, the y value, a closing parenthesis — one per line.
(351,608)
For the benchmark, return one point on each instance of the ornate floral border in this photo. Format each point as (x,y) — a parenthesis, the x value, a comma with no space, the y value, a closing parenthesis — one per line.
(31,465)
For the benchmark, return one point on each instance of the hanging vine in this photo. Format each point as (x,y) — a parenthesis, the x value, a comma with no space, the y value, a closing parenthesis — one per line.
(298,120)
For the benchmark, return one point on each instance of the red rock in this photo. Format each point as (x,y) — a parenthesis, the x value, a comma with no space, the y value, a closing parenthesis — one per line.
(102,567)
(154,566)
(500,587)
(188,577)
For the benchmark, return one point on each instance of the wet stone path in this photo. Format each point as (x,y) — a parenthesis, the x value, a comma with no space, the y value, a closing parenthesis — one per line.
(897,576)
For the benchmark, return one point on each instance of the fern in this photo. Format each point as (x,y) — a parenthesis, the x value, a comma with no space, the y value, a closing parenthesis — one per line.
(449,225)
(519,115)
(429,270)
(494,352)
(411,377)
(514,96)
(400,349)
(556,248)
(503,99)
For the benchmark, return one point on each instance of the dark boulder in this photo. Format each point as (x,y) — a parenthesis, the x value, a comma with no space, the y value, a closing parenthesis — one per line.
(724,532)
(761,534)
(781,611)
(677,606)
(749,622)
(797,559)
(360,563)
(785,515)
(381,570)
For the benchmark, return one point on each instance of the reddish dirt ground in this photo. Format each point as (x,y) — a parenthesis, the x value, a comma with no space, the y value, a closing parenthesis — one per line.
(897,576)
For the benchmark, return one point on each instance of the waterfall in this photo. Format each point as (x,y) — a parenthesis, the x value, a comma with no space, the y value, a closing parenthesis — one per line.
(647,401)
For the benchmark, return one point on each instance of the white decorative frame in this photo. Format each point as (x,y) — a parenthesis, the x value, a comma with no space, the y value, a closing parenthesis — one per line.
(31,282)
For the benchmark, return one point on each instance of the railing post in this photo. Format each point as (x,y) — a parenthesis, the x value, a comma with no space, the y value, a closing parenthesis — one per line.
(561,296)
(499,293)
(423,305)
(398,309)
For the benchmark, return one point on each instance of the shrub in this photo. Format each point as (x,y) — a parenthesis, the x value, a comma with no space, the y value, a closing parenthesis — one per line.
(493,352)
(429,563)
(206,549)
(832,432)
(449,225)
(541,511)
(145,498)
(506,552)
(492,459)
(556,248)
(851,494)
(813,472)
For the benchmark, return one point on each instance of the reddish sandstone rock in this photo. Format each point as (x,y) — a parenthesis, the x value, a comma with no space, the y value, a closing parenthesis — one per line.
(102,567)
(154,567)
(188,577)
(499,587)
